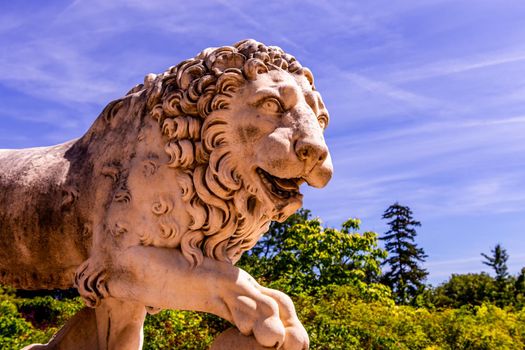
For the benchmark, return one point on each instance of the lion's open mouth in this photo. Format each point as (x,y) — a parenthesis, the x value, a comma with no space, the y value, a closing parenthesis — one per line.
(279,187)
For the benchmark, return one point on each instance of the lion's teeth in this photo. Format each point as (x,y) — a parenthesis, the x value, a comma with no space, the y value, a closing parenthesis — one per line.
(284,188)
(286,184)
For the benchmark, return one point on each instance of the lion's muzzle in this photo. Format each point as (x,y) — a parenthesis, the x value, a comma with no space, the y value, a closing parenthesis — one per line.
(316,157)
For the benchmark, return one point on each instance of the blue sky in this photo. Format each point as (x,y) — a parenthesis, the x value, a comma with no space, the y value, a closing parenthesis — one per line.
(427,98)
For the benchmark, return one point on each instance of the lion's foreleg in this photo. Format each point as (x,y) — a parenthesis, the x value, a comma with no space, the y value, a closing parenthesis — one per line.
(295,338)
(162,278)
(120,324)
(113,325)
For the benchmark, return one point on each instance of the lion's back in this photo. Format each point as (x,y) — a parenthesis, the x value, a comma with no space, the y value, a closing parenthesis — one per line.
(39,247)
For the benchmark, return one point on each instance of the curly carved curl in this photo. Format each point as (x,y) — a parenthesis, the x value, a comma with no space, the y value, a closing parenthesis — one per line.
(226,217)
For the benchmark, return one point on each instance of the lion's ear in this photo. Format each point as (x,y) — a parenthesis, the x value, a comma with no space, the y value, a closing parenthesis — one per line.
(308,75)
(254,66)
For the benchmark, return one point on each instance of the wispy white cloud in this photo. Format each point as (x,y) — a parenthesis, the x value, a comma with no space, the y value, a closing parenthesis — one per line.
(453,262)
(356,97)
(448,148)
(443,168)
(8,138)
(256,23)
(457,66)
(428,128)
(8,23)
(50,117)
(73,78)
(441,269)
(389,90)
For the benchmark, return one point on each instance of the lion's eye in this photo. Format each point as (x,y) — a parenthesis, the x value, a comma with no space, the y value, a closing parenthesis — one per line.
(272,105)
(323,121)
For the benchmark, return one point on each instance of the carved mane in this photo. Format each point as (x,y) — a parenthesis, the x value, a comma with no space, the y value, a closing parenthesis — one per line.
(182,100)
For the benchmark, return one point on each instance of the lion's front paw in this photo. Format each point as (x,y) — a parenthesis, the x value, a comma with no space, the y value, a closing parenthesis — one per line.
(268,315)
(269,332)
(296,338)
(258,315)
(272,333)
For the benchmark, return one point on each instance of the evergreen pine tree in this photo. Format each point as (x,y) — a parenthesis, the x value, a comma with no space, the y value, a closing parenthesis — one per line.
(498,261)
(405,275)
(520,282)
(519,289)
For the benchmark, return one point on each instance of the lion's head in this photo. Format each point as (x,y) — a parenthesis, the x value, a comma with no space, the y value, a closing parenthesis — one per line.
(244,126)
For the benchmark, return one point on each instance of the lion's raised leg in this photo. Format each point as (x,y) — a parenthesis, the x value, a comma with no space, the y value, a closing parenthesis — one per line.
(162,278)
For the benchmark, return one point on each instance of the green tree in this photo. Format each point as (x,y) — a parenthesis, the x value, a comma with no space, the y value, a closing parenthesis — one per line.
(464,289)
(504,286)
(405,275)
(519,287)
(306,257)
(258,261)
(271,242)
(312,256)
(498,262)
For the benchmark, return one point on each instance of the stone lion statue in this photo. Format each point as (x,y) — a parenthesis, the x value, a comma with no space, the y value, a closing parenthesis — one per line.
(154,205)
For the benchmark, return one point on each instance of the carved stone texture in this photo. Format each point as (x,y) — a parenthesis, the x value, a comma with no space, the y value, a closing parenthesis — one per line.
(152,207)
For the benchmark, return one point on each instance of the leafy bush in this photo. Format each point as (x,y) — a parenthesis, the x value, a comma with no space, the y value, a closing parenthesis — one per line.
(311,257)
(15,331)
(336,320)
(26,321)
(181,330)
(467,289)
(332,276)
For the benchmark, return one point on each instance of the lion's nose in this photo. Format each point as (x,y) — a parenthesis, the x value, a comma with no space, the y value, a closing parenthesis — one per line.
(310,151)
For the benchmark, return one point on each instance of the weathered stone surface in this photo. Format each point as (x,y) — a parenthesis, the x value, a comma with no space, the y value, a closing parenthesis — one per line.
(233,339)
(153,206)
(79,333)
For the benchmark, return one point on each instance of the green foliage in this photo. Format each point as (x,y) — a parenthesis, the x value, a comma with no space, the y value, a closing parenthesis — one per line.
(45,312)
(467,289)
(404,276)
(498,262)
(339,317)
(475,289)
(27,321)
(271,242)
(15,331)
(485,327)
(181,330)
(519,288)
(332,275)
(311,257)
(335,316)
(504,283)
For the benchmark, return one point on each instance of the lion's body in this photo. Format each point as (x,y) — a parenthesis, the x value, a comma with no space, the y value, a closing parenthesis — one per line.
(41,242)
(166,190)
(50,198)
(60,203)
